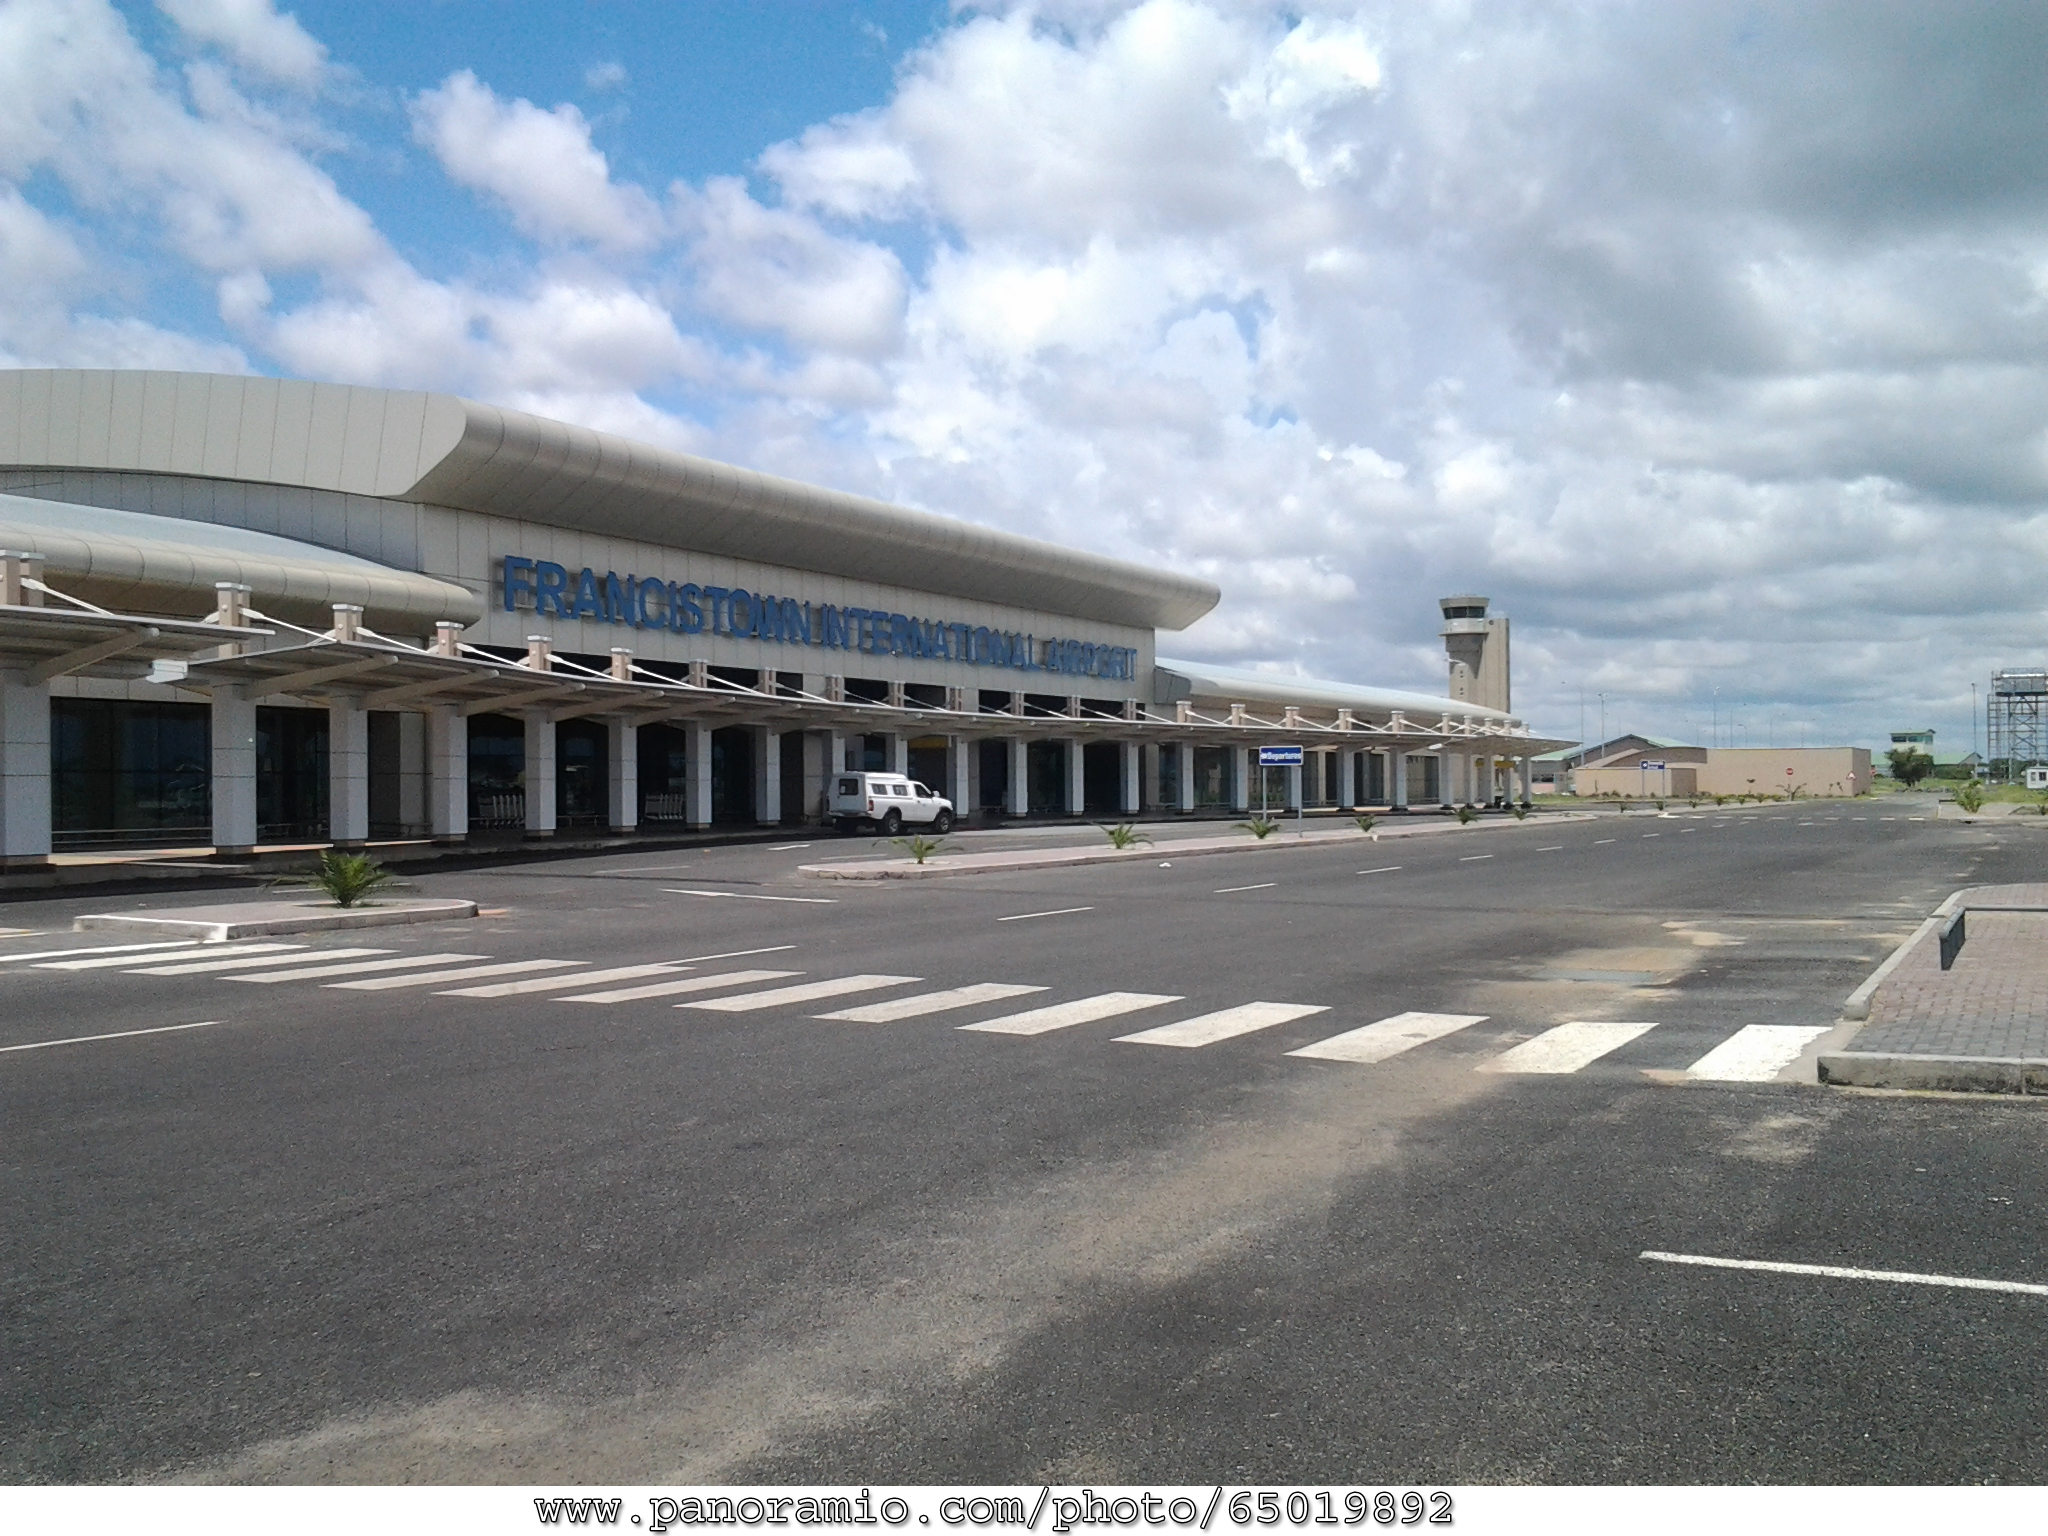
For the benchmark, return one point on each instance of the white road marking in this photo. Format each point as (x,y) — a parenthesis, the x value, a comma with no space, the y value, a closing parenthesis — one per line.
(123,1034)
(930,1002)
(814,901)
(735,954)
(788,847)
(466,973)
(354,968)
(806,992)
(1229,890)
(1018,917)
(1087,1010)
(1567,1047)
(1599,840)
(1473,858)
(1389,1037)
(1688,832)
(99,949)
(1756,1053)
(1838,1272)
(1653,834)
(673,988)
(558,983)
(192,953)
(1384,869)
(1224,1024)
(249,962)
(1553,848)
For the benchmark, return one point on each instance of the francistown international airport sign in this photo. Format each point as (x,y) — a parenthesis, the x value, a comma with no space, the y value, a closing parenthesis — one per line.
(685,608)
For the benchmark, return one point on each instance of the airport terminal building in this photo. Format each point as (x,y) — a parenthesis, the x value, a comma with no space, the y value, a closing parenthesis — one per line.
(241,611)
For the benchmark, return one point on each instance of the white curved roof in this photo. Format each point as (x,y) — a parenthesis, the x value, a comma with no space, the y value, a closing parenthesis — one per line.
(141,563)
(439,449)
(1244,687)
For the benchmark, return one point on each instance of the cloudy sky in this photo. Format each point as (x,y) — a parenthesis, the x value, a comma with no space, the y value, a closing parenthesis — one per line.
(1709,340)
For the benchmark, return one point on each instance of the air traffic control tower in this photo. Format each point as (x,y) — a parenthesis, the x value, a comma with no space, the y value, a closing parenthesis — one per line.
(1478,649)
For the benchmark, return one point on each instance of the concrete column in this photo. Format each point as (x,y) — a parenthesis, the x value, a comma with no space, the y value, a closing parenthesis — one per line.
(959,777)
(1527,773)
(818,771)
(447,774)
(1148,775)
(1350,768)
(1077,781)
(622,764)
(835,752)
(899,753)
(25,772)
(1453,782)
(540,774)
(348,770)
(1294,785)
(233,726)
(699,770)
(1397,780)
(412,773)
(1187,775)
(767,777)
(1020,777)
(1240,778)
(1134,777)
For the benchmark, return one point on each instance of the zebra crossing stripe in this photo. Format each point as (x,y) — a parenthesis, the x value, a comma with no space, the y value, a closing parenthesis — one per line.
(466,973)
(1224,1024)
(1389,1037)
(1567,1047)
(1087,1010)
(243,963)
(1756,1053)
(108,962)
(97,949)
(352,967)
(558,983)
(810,991)
(929,1002)
(671,988)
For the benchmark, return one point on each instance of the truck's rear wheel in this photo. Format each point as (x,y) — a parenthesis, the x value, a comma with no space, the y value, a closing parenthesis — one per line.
(892,822)
(942,823)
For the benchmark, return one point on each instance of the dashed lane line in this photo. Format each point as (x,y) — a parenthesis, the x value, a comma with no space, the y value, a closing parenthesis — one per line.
(1840,1272)
(119,1034)
(1230,890)
(1019,917)
(1474,858)
(809,901)
(1384,869)
(1553,848)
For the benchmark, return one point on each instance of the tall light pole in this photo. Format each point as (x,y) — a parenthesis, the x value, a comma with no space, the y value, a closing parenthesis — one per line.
(1973,719)
(1603,718)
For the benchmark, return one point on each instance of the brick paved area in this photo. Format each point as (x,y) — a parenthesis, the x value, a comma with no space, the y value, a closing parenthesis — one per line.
(1992,1003)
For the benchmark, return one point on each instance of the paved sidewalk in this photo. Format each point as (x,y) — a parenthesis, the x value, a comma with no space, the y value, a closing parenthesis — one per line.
(1980,1026)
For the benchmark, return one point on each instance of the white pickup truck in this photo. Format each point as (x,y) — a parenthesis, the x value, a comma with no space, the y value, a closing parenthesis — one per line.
(888,801)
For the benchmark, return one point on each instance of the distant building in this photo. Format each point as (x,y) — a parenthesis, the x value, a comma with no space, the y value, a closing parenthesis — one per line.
(1676,772)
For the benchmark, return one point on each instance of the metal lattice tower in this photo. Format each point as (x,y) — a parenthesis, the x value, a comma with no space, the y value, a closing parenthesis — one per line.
(2016,717)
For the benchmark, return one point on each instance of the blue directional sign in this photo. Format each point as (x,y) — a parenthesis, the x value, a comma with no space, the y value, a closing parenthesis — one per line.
(1279,757)
(1652,767)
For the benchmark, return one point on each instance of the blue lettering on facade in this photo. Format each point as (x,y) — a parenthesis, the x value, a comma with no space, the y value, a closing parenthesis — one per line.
(553,591)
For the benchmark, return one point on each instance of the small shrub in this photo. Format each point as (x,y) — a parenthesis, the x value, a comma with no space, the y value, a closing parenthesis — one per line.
(348,878)
(1124,835)
(1971,797)
(1466,814)
(1519,812)
(1261,827)
(1367,821)
(918,846)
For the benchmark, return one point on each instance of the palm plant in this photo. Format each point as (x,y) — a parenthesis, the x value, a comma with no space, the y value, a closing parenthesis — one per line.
(348,878)
(1466,814)
(1366,821)
(1261,827)
(918,846)
(1124,835)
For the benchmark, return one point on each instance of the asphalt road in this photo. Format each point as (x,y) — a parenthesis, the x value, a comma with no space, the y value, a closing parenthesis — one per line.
(390,1234)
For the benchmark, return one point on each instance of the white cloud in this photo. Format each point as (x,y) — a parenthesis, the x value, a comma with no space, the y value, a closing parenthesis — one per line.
(540,164)
(254,34)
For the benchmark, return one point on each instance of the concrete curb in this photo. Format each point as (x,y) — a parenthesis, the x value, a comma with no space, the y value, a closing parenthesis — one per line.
(1943,1074)
(1857,1005)
(255,919)
(1064,858)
